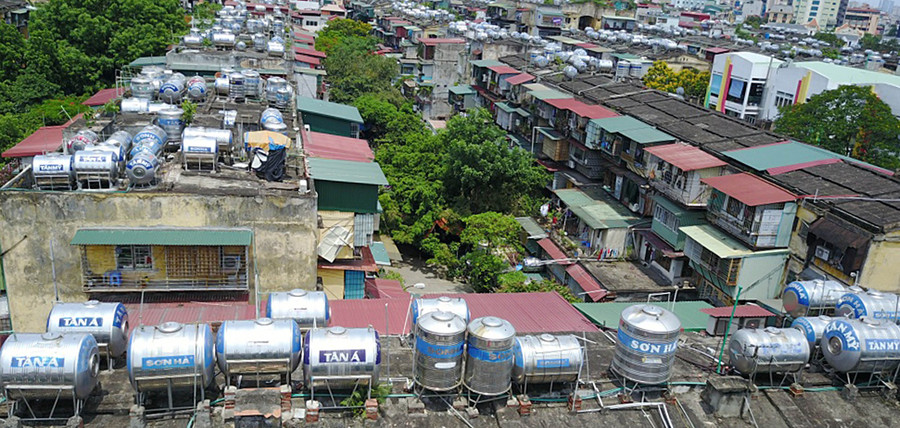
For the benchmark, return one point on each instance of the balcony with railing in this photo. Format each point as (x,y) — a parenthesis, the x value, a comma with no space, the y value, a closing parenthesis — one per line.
(754,211)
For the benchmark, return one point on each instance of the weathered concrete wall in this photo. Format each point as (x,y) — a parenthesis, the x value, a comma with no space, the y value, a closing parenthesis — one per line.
(284,229)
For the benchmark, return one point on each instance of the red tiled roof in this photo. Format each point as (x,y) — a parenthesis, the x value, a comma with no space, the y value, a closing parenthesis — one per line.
(366,264)
(300,12)
(190,312)
(741,311)
(103,96)
(309,52)
(749,189)
(589,111)
(311,60)
(591,287)
(556,315)
(788,168)
(46,139)
(685,157)
(380,288)
(553,251)
(519,79)
(328,146)
(587,45)
(432,42)
(303,36)
(718,50)
(503,69)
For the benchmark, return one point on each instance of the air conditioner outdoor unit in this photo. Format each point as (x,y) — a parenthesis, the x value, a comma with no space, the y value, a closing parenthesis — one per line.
(231,263)
(822,253)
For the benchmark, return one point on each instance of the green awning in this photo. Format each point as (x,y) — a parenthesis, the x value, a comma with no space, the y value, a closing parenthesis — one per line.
(532,228)
(550,133)
(522,112)
(163,236)
(462,90)
(646,135)
(505,107)
(608,314)
(380,254)
(721,244)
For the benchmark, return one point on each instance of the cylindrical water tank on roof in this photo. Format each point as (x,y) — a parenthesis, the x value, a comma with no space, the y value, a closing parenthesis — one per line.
(172,89)
(341,358)
(547,358)
(283,97)
(135,105)
(150,138)
(271,116)
(440,339)
(236,85)
(273,84)
(53,171)
(489,356)
(454,305)
(258,347)
(98,164)
(142,88)
(252,83)
(223,137)
(813,328)
(872,303)
(171,355)
(648,339)
(196,88)
(82,139)
(171,120)
(142,168)
(309,309)
(768,350)
(49,365)
(802,297)
(107,322)
(865,345)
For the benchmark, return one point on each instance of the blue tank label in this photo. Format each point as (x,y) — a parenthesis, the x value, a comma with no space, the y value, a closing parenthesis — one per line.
(844,332)
(50,168)
(857,306)
(804,325)
(884,315)
(121,314)
(438,351)
(35,361)
(343,356)
(167,122)
(883,344)
(647,347)
(81,322)
(800,291)
(173,362)
(553,363)
(491,356)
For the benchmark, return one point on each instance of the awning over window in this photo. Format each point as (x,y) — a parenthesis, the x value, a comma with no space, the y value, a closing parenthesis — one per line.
(838,235)
(163,236)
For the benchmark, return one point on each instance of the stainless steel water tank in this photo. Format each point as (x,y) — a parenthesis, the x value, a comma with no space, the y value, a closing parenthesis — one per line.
(196,88)
(812,328)
(107,322)
(53,171)
(252,83)
(236,85)
(489,356)
(82,139)
(768,350)
(283,97)
(547,358)
(150,138)
(180,355)
(308,309)
(263,346)
(142,88)
(648,339)
(273,84)
(339,358)
(270,116)
(135,105)
(120,139)
(172,89)
(861,345)
(171,120)
(454,305)
(221,85)
(142,169)
(872,303)
(42,365)
(801,297)
(96,164)
(440,339)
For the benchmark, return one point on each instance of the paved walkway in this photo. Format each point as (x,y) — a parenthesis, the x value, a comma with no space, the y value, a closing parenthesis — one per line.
(414,270)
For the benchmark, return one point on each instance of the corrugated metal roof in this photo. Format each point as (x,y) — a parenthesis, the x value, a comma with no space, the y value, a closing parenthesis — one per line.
(325,108)
(462,90)
(505,107)
(328,146)
(741,311)
(685,156)
(148,60)
(619,123)
(519,79)
(574,197)
(786,156)
(534,230)
(103,96)
(584,110)
(749,189)
(503,69)
(722,244)
(379,252)
(484,63)
(343,171)
(163,236)
(608,314)
(646,135)
(45,140)
(553,251)
(604,215)
(436,41)
(307,59)
(380,288)
(189,312)
(591,287)
(548,94)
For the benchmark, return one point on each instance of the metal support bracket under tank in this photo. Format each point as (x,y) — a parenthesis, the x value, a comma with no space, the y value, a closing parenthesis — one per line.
(33,412)
(335,404)
(142,398)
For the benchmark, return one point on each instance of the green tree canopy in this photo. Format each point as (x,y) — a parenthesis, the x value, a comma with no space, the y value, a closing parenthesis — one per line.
(339,31)
(849,120)
(661,76)
(493,229)
(517,282)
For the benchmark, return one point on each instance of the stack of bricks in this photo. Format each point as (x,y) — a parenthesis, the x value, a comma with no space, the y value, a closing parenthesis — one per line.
(312,411)
(372,409)
(285,399)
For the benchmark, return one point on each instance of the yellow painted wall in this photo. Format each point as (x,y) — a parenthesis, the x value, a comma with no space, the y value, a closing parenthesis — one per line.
(798,244)
(332,283)
(882,268)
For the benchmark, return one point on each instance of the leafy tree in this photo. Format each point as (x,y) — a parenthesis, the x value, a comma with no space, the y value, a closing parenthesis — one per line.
(338,31)
(493,229)
(830,38)
(353,72)
(204,13)
(754,21)
(661,76)
(482,270)
(869,41)
(12,52)
(517,282)
(849,120)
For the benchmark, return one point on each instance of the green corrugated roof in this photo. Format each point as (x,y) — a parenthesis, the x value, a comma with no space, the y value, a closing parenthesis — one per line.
(163,236)
(522,112)
(625,56)
(343,171)
(670,206)
(848,75)
(148,60)
(564,39)
(380,254)
(325,108)
(551,12)
(608,314)
(548,94)
(646,135)
(550,133)
(462,90)
(721,244)
(484,63)
(785,154)
(603,215)
(505,107)
(532,228)
(574,197)
(619,123)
